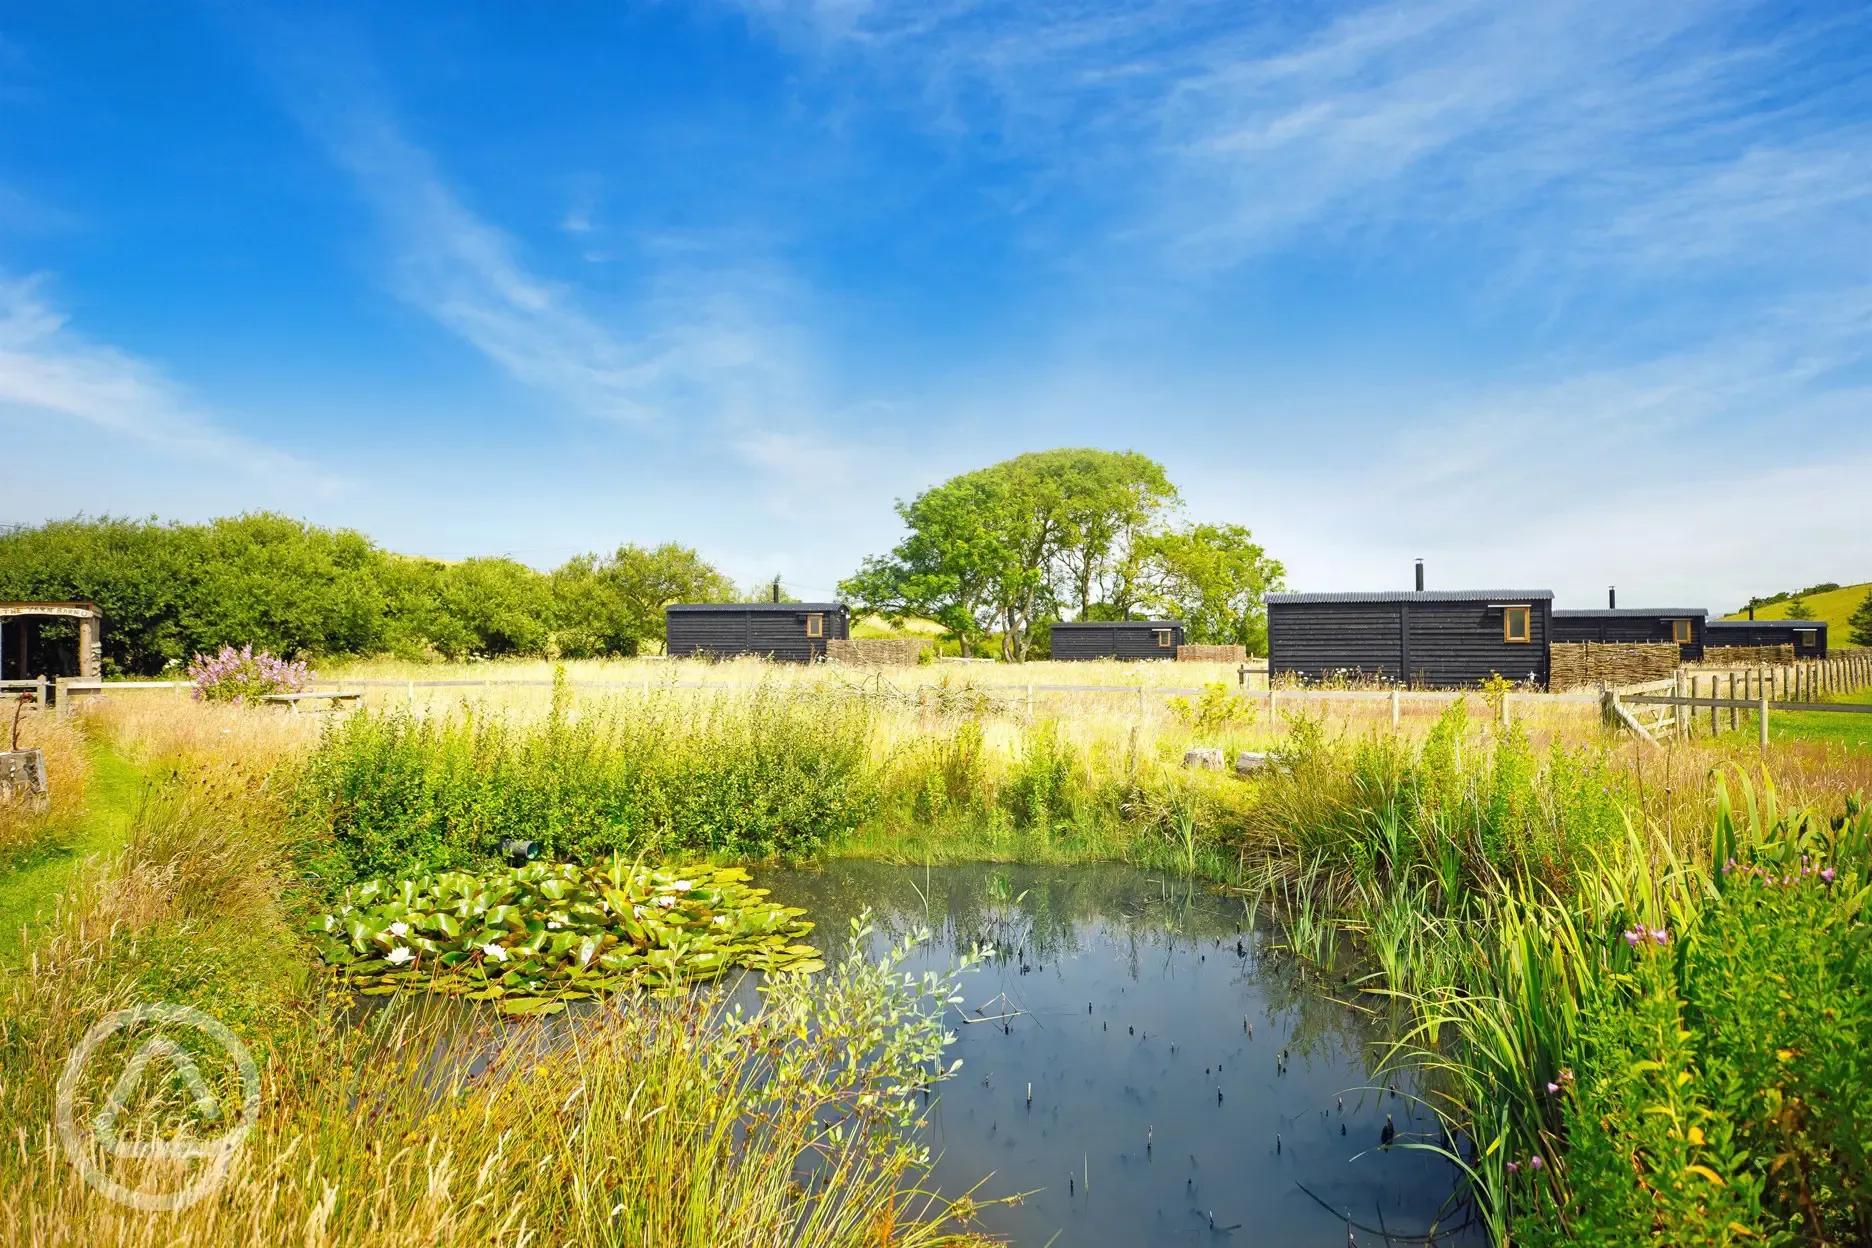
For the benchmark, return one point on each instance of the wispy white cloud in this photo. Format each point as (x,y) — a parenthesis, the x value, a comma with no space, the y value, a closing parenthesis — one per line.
(48,370)
(1674,133)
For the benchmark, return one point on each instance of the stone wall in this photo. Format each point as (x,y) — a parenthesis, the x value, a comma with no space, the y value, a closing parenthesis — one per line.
(878,651)
(1580,663)
(1212,654)
(1746,656)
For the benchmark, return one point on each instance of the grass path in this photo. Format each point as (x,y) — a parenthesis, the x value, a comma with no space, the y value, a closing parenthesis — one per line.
(110,805)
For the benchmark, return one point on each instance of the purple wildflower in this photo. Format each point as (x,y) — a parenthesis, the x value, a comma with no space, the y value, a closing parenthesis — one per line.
(1553,1089)
(235,675)
(1514,1167)
(1535,1163)
(1633,936)
(1827,875)
(1660,935)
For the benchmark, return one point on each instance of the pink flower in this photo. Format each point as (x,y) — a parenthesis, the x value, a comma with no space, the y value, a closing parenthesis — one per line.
(1514,1167)
(1552,1088)
(1660,935)
(1827,875)
(1534,1162)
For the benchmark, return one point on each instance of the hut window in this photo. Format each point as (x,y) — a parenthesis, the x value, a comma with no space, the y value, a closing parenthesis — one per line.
(815,626)
(1808,636)
(1163,638)
(1515,624)
(1680,632)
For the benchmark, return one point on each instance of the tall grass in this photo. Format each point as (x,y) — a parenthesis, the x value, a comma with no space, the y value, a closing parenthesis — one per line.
(656,1123)
(757,775)
(30,830)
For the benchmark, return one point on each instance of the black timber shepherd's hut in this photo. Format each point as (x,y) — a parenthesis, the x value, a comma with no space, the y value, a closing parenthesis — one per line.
(1635,626)
(1437,638)
(1117,639)
(794,632)
(1808,637)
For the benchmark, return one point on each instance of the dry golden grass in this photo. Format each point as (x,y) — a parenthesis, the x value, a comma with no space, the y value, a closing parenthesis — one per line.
(27,826)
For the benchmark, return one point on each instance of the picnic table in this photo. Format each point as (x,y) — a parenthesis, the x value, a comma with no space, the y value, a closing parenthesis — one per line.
(333,699)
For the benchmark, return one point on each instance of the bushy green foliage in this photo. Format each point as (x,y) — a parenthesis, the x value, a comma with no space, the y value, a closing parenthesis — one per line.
(999,553)
(1861,622)
(1724,1081)
(170,591)
(1215,710)
(771,772)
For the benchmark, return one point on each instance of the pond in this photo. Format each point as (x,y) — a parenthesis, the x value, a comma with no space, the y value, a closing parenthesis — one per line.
(1147,1019)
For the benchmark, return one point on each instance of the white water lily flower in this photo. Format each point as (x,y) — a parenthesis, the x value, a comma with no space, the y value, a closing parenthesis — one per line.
(666,902)
(552,925)
(683,885)
(494,951)
(399,955)
(399,928)
(638,912)
(721,920)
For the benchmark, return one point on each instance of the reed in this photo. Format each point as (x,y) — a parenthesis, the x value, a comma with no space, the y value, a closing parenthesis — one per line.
(653,1123)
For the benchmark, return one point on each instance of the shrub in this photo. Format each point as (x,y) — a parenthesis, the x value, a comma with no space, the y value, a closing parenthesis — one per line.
(238,675)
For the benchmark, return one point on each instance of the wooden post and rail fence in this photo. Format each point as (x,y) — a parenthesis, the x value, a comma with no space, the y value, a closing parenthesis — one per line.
(1680,707)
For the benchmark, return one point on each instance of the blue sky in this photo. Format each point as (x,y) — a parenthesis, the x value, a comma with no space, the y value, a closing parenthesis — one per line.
(1552,293)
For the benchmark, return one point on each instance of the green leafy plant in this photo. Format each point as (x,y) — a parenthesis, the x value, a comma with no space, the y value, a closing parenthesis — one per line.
(1216,710)
(535,937)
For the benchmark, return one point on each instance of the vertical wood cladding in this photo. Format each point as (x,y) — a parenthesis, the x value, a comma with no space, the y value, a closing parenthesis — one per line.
(1117,639)
(777,630)
(1438,639)
(1772,633)
(1634,626)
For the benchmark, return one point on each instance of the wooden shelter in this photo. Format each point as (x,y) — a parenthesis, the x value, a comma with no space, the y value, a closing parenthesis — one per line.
(25,653)
(1434,638)
(1808,637)
(792,632)
(1117,639)
(1683,626)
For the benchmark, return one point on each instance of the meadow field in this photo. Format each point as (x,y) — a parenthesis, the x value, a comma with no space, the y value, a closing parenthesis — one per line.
(1634,974)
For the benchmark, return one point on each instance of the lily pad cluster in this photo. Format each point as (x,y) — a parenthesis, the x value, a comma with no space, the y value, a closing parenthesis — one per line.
(534,937)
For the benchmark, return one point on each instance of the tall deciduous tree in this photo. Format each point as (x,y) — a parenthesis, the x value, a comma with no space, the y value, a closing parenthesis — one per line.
(1215,578)
(1006,548)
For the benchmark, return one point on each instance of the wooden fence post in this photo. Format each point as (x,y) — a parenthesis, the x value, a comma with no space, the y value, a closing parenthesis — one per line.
(1394,710)
(1763,712)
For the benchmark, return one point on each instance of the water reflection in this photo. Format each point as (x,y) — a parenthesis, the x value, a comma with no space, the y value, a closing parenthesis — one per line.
(1139,1063)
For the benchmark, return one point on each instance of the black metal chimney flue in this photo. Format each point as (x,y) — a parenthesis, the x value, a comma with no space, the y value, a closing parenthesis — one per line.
(1420,576)
(1611,597)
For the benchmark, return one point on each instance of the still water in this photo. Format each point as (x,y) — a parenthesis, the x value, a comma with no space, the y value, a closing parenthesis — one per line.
(1149,1020)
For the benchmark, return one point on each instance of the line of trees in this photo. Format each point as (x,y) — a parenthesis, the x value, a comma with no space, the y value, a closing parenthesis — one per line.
(997,554)
(170,591)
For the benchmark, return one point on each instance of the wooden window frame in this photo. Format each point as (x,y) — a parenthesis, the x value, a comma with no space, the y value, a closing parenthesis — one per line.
(815,625)
(1807,637)
(1527,626)
(1165,638)
(1683,632)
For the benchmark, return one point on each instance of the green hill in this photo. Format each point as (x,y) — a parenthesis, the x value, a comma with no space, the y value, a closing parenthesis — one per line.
(1833,606)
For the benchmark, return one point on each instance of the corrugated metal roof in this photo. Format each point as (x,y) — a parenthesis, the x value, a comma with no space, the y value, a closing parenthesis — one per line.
(1111,623)
(1427,595)
(1790,624)
(1631,613)
(757,606)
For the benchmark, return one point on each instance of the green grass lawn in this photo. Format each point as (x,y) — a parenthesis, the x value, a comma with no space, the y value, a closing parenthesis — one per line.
(1851,731)
(110,804)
